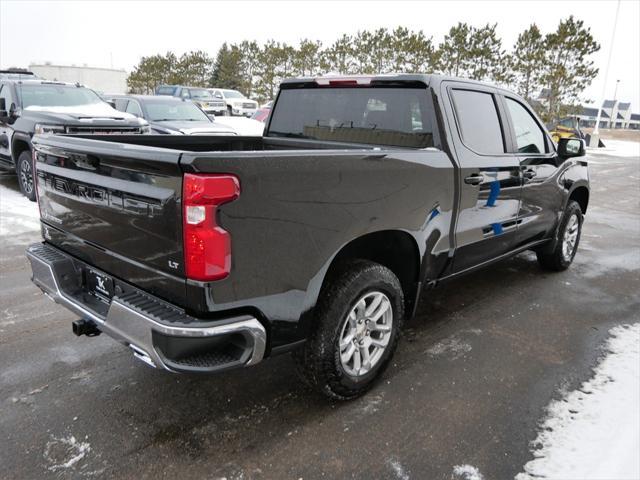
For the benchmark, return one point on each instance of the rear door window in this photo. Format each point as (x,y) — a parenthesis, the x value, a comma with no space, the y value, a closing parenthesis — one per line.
(478,121)
(391,116)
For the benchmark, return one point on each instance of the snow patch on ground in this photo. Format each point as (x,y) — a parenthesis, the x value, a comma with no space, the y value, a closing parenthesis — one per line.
(17,214)
(451,347)
(372,404)
(64,453)
(398,470)
(618,148)
(594,432)
(607,261)
(466,472)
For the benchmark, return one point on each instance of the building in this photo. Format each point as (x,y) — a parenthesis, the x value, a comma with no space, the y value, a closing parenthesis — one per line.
(102,80)
(614,115)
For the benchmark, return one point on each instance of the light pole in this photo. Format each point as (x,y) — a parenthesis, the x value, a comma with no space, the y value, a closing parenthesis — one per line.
(614,110)
(615,92)
(595,137)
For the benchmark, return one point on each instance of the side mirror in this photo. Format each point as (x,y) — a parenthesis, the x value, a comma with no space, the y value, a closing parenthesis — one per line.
(112,103)
(571,147)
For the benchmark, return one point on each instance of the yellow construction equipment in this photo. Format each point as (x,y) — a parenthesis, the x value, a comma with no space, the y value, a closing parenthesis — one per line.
(568,127)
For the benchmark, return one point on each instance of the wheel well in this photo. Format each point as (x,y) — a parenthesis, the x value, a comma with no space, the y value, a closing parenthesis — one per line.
(581,195)
(395,249)
(17,148)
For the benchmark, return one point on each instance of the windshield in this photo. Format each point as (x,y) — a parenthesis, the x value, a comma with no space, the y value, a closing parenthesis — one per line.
(175,111)
(232,94)
(44,95)
(400,117)
(200,94)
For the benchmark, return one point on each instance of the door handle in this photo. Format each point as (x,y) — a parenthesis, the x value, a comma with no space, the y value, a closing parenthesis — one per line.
(529,174)
(475,179)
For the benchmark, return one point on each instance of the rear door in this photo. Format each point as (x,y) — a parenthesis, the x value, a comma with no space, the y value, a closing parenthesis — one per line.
(542,195)
(489,179)
(115,206)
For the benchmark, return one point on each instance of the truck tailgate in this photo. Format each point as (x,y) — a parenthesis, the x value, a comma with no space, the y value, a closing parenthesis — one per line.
(117,207)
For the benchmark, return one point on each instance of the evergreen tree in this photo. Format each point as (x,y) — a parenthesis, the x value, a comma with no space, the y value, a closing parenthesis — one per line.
(527,61)
(248,52)
(227,71)
(194,69)
(339,57)
(567,70)
(306,58)
(454,51)
(559,61)
(151,72)
(414,53)
(486,57)
(269,57)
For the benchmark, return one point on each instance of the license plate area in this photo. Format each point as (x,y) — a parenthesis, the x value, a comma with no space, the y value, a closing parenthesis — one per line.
(98,284)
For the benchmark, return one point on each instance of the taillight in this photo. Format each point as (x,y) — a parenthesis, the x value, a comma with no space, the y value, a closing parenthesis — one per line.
(207,246)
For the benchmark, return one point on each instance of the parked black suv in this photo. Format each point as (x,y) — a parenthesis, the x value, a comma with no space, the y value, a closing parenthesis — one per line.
(38,106)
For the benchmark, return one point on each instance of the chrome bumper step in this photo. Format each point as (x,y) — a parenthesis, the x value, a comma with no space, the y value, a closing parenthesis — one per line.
(159,334)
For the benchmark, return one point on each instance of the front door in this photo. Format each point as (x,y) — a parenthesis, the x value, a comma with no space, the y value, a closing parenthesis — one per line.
(542,193)
(489,180)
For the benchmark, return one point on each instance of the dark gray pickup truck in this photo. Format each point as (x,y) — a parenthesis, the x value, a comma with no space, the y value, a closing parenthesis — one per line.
(207,253)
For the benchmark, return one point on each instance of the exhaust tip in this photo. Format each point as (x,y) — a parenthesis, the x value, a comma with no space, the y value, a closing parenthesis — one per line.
(85,327)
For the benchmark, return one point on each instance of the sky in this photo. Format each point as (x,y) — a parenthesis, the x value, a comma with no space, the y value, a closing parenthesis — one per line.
(119,33)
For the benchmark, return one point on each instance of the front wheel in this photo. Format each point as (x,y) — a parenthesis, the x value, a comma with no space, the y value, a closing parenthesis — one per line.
(24,169)
(358,319)
(564,249)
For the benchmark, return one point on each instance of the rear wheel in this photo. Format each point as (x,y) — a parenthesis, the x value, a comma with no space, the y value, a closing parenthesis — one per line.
(560,256)
(358,320)
(24,169)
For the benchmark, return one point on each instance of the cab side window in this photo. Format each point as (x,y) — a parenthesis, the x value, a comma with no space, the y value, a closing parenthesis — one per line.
(121,104)
(5,92)
(133,108)
(529,135)
(478,121)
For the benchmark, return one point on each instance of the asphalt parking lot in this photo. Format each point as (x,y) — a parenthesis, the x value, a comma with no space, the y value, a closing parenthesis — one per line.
(469,384)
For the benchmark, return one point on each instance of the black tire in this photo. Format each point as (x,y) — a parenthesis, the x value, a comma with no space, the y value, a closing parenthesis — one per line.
(319,361)
(558,256)
(229,111)
(24,169)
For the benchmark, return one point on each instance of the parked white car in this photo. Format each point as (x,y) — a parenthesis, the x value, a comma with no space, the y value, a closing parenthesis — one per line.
(237,103)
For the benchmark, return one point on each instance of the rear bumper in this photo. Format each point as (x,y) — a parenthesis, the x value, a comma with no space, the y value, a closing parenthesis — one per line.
(157,332)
